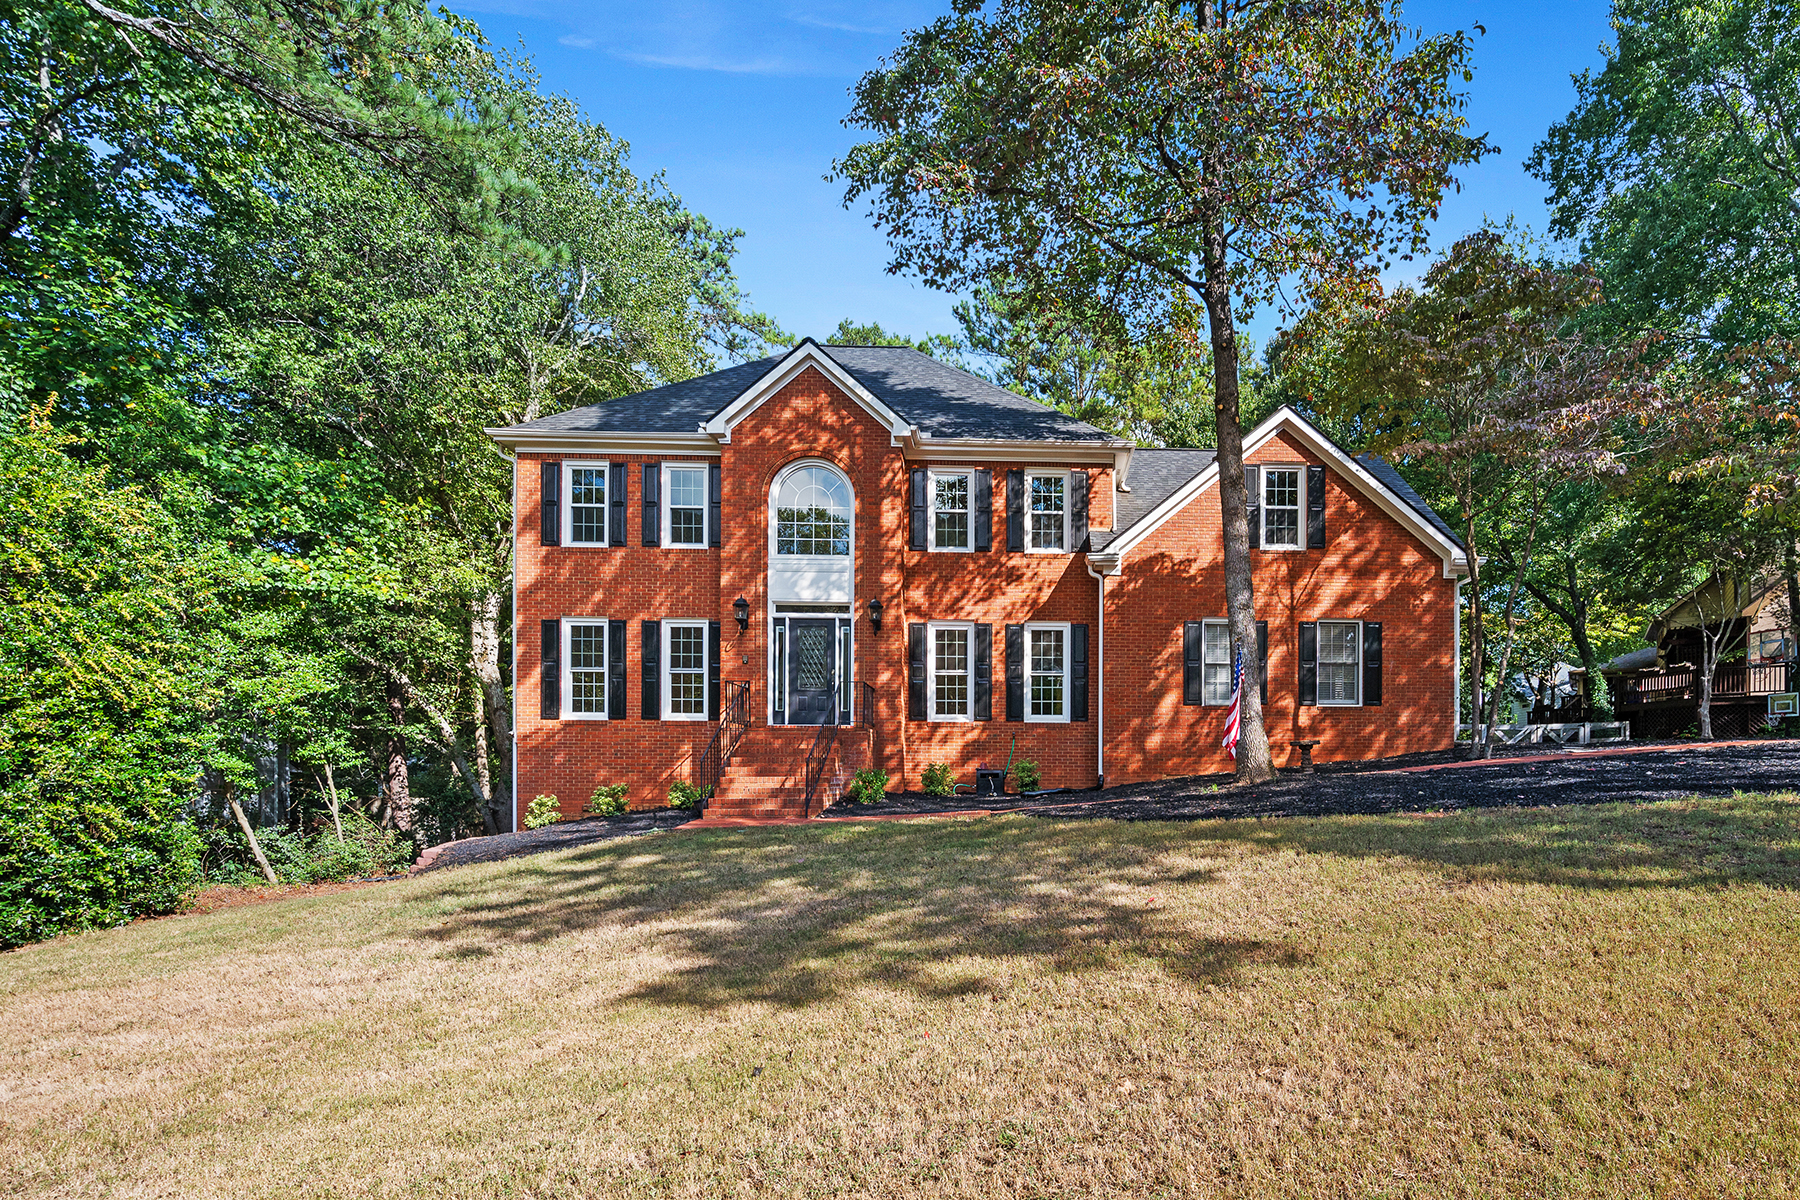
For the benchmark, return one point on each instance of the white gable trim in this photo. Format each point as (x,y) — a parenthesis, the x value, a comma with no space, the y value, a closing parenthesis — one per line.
(806,354)
(1456,563)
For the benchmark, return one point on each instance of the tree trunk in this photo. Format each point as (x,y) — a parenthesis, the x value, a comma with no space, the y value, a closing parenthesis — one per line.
(1477,633)
(331,792)
(1709,655)
(493,705)
(1254,763)
(482,772)
(399,781)
(1486,748)
(249,833)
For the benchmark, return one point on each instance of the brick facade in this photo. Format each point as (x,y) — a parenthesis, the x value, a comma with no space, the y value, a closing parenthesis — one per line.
(1373,569)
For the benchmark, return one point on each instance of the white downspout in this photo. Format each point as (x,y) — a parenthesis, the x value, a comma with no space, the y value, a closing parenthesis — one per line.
(513,672)
(1456,661)
(1100,674)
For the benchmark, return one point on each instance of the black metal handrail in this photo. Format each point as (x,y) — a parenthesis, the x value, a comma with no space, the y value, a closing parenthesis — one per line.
(819,756)
(734,720)
(865,710)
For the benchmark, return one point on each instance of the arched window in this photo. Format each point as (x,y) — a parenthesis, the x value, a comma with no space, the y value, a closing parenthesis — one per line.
(812,513)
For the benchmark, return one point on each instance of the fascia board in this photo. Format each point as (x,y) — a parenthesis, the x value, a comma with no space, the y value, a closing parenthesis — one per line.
(976,450)
(1455,561)
(807,354)
(603,442)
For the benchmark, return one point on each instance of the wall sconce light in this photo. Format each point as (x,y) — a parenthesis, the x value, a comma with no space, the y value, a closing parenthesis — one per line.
(875,608)
(743,613)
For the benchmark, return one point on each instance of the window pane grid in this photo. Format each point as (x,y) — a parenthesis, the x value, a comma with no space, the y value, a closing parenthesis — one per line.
(587,504)
(1216,663)
(950,508)
(812,515)
(951,671)
(1046,672)
(687,506)
(1339,660)
(1281,508)
(1046,512)
(587,668)
(687,670)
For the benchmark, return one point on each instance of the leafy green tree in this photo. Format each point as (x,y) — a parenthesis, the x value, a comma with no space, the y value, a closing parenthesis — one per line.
(1679,168)
(1170,163)
(106,612)
(938,345)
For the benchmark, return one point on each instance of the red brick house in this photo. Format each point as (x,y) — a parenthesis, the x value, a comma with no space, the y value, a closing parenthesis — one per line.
(767,577)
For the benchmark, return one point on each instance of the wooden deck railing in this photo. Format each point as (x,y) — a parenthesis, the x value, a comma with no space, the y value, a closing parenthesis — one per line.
(1729,680)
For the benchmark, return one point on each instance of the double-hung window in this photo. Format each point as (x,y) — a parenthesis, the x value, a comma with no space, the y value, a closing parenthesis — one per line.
(584,676)
(951,661)
(1340,662)
(1047,678)
(950,493)
(586,504)
(687,506)
(1215,657)
(684,679)
(1049,496)
(1281,507)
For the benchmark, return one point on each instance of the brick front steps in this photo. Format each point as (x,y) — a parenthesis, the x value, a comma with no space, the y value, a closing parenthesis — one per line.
(766,779)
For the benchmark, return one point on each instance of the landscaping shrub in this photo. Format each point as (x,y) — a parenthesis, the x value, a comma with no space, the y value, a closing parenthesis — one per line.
(317,857)
(608,800)
(1027,775)
(683,794)
(542,811)
(939,780)
(867,787)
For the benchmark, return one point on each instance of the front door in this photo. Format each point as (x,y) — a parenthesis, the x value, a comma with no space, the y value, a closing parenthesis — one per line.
(812,674)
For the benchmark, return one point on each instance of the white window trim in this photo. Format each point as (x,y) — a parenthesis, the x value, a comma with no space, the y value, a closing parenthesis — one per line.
(931,672)
(1064,476)
(568,669)
(1262,506)
(568,504)
(668,669)
(1226,626)
(668,506)
(931,479)
(1067,648)
(775,486)
(1318,661)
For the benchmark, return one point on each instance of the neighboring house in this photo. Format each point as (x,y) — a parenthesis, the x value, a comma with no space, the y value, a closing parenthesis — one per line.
(867,536)
(1657,688)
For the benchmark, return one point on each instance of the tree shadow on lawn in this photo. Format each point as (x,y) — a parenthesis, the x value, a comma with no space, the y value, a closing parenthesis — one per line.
(798,914)
(1689,843)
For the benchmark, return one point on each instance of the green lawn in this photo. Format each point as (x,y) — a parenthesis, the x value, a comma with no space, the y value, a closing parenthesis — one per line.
(1564,1002)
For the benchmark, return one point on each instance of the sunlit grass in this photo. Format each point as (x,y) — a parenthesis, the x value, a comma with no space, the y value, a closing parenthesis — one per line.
(1574,1001)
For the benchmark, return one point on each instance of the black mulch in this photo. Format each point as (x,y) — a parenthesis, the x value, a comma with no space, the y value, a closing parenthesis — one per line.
(559,836)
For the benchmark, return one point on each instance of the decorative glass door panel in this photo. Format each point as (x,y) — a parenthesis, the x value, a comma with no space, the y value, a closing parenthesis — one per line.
(812,670)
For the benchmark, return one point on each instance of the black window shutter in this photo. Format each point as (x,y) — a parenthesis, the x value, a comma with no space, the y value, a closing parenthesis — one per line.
(550,685)
(983,708)
(1309,662)
(984,509)
(1015,512)
(1253,504)
(1078,673)
(915,671)
(1193,672)
(1015,671)
(921,485)
(615,670)
(1078,504)
(1371,650)
(712,670)
(551,504)
(1315,508)
(1262,657)
(615,497)
(714,492)
(652,505)
(651,658)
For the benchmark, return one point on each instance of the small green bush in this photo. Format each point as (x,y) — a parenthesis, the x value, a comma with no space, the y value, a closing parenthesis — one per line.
(542,811)
(608,800)
(317,857)
(683,794)
(939,780)
(1027,775)
(867,787)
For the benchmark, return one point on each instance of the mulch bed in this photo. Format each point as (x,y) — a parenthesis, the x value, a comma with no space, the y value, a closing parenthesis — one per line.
(559,836)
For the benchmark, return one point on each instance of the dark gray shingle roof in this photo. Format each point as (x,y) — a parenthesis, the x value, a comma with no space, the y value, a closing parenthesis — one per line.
(941,400)
(1384,470)
(1155,476)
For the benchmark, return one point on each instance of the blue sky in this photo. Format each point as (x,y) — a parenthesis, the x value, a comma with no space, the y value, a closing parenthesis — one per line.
(740,105)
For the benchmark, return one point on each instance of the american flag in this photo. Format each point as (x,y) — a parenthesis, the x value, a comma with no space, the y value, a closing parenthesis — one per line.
(1237,695)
